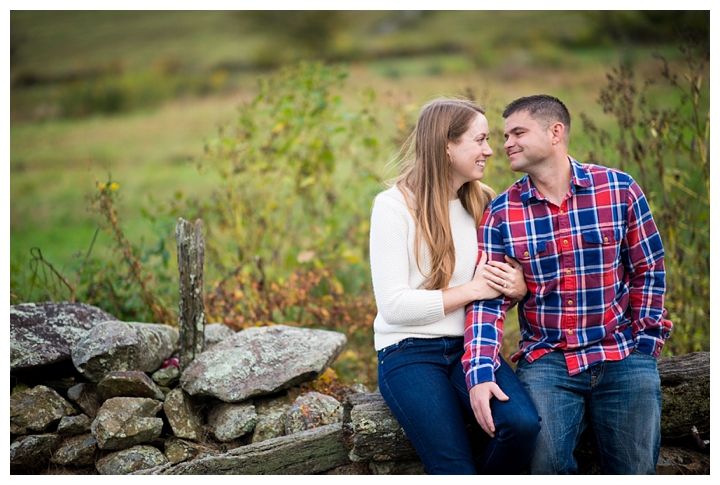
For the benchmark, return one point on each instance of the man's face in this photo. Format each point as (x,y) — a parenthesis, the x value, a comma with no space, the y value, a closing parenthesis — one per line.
(527,143)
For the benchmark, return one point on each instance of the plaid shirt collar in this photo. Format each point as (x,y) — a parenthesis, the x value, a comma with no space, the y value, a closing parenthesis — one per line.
(579,179)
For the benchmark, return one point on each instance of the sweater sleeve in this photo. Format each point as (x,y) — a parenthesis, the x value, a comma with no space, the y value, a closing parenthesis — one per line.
(393,267)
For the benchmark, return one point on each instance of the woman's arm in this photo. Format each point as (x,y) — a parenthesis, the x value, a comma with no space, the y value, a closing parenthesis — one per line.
(477,289)
(391,265)
(491,279)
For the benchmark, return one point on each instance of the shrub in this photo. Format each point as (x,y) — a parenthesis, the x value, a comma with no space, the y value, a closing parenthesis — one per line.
(297,176)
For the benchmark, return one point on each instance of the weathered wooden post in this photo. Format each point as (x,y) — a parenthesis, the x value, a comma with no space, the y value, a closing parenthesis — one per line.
(191,254)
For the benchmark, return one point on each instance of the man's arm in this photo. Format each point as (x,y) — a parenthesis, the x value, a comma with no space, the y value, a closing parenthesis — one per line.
(644,260)
(483,335)
(484,318)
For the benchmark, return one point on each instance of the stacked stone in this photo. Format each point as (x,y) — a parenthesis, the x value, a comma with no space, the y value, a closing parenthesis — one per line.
(124,412)
(100,399)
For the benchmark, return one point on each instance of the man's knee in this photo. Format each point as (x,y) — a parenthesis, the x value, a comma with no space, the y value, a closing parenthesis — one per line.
(551,458)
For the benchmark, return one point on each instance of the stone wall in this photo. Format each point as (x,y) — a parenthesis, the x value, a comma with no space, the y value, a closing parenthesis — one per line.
(92,395)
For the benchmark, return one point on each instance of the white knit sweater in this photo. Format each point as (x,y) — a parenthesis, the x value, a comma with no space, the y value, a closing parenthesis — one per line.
(405,309)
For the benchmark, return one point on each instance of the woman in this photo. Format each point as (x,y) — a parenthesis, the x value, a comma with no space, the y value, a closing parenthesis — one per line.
(423,252)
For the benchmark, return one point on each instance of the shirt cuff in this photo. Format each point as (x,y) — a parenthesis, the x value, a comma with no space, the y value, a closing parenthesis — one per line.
(648,345)
(483,373)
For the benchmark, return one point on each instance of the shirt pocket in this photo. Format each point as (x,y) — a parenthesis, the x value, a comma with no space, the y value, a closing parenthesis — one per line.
(537,259)
(601,250)
(529,250)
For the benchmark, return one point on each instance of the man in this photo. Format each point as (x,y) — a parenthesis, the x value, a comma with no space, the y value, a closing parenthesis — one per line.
(593,321)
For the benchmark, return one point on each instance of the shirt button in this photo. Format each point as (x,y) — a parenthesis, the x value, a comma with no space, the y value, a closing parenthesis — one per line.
(570,332)
(570,302)
(565,241)
(606,239)
(526,253)
(562,211)
(568,272)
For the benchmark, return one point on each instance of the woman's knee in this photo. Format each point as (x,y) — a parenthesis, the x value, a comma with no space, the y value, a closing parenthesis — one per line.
(525,427)
(517,420)
(518,416)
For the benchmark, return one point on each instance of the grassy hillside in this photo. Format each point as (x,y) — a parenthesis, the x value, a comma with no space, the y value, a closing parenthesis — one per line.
(87,57)
(138,96)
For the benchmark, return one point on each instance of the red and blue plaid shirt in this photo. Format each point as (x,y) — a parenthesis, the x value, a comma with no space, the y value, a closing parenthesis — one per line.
(594,268)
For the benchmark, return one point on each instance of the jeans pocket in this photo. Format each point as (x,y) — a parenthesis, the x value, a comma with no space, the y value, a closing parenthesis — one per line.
(642,354)
(520,364)
(643,361)
(393,349)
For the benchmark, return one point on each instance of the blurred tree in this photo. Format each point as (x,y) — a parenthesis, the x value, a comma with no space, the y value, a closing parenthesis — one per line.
(651,26)
(309,31)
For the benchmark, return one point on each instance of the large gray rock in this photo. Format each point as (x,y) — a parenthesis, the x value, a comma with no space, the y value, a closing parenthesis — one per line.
(129,384)
(123,422)
(123,346)
(271,417)
(685,381)
(87,397)
(32,452)
(216,333)
(38,408)
(231,421)
(312,410)
(374,433)
(131,460)
(45,333)
(182,415)
(260,361)
(74,425)
(177,451)
(77,451)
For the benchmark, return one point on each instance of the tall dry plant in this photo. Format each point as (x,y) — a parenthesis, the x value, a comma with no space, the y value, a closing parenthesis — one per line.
(104,204)
(662,138)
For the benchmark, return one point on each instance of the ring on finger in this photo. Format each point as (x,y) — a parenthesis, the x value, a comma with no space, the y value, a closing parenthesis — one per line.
(505,284)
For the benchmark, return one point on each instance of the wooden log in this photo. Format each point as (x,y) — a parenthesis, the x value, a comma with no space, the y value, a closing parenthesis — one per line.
(309,452)
(685,381)
(191,324)
(372,433)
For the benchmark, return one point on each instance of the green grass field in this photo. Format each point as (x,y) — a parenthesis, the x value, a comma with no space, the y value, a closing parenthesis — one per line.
(179,76)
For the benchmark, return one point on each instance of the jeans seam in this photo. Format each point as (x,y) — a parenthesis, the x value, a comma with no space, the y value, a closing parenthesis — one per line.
(397,405)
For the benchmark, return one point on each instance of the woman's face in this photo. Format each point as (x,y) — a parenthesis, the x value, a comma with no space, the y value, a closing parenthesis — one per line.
(469,153)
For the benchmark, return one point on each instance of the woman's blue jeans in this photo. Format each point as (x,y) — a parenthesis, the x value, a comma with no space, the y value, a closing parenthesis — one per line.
(621,400)
(423,383)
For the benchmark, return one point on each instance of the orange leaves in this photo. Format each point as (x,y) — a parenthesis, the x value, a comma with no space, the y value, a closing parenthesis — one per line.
(309,297)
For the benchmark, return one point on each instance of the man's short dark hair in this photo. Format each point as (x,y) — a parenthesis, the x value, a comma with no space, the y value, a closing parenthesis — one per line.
(543,108)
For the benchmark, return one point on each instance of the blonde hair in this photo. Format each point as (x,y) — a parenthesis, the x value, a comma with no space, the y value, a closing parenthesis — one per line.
(426,182)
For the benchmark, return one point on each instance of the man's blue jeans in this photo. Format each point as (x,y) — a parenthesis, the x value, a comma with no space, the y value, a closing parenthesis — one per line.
(621,400)
(423,383)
